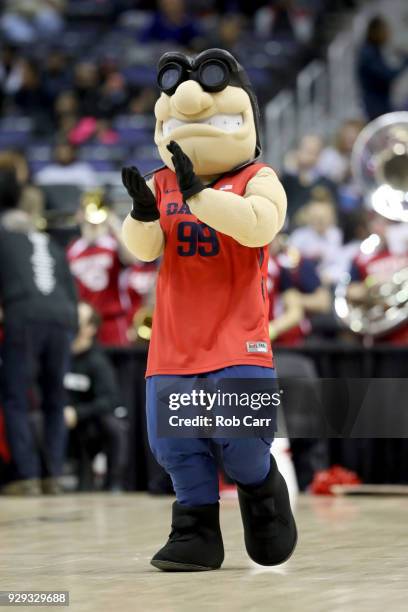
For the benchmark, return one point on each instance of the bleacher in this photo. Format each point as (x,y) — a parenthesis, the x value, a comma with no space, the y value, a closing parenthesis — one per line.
(110,33)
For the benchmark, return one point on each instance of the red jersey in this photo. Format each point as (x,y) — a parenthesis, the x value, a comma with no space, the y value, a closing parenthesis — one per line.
(381,265)
(211,299)
(138,280)
(284,274)
(96,267)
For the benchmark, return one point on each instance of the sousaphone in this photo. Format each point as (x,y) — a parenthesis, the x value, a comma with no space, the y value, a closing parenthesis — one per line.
(380,168)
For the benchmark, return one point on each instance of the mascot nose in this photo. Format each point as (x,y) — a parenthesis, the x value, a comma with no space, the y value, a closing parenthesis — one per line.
(190,99)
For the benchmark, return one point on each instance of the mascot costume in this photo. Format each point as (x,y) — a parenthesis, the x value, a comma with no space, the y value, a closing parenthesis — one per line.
(210,214)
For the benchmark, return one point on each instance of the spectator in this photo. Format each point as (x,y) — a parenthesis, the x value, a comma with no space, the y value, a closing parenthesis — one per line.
(228,34)
(335,164)
(334,160)
(89,129)
(97,260)
(378,261)
(11,70)
(104,132)
(66,103)
(9,189)
(57,77)
(302,175)
(31,98)
(31,198)
(114,95)
(285,308)
(39,303)
(320,239)
(66,113)
(295,292)
(143,101)
(92,397)
(25,21)
(86,87)
(355,230)
(375,74)
(282,19)
(171,23)
(66,169)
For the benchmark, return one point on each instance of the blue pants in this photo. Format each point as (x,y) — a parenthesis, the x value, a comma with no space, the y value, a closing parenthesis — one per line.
(190,462)
(28,345)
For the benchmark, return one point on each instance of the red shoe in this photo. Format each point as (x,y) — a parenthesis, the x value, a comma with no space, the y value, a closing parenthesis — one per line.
(324,480)
(227,490)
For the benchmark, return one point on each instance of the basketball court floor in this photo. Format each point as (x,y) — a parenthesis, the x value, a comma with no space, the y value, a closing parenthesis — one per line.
(352,556)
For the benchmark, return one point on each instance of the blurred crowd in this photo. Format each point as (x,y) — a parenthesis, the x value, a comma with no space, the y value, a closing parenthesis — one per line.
(78,105)
(83,73)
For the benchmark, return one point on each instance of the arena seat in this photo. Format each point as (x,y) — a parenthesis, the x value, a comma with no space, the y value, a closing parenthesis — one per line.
(14,139)
(113,153)
(143,76)
(134,122)
(15,132)
(39,151)
(134,136)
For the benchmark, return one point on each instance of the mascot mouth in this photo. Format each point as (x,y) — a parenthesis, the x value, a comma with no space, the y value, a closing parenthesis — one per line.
(221,121)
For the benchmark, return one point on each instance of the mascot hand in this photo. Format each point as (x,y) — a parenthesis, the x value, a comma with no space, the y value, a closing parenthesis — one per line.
(144,203)
(188,181)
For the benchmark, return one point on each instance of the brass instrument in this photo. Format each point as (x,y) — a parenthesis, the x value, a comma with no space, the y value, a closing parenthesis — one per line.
(380,167)
(383,309)
(142,324)
(94,207)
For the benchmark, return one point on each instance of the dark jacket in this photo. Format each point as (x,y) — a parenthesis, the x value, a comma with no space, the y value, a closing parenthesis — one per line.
(91,384)
(299,195)
(35,281)
(376,78)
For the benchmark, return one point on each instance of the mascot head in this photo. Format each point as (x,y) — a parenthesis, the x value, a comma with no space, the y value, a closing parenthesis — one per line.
(208,107)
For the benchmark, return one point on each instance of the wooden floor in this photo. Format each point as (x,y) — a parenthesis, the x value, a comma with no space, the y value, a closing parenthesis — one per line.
(352,556)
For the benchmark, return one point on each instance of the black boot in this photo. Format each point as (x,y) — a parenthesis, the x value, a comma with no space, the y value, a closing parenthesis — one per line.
(269,527)
(195,542)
